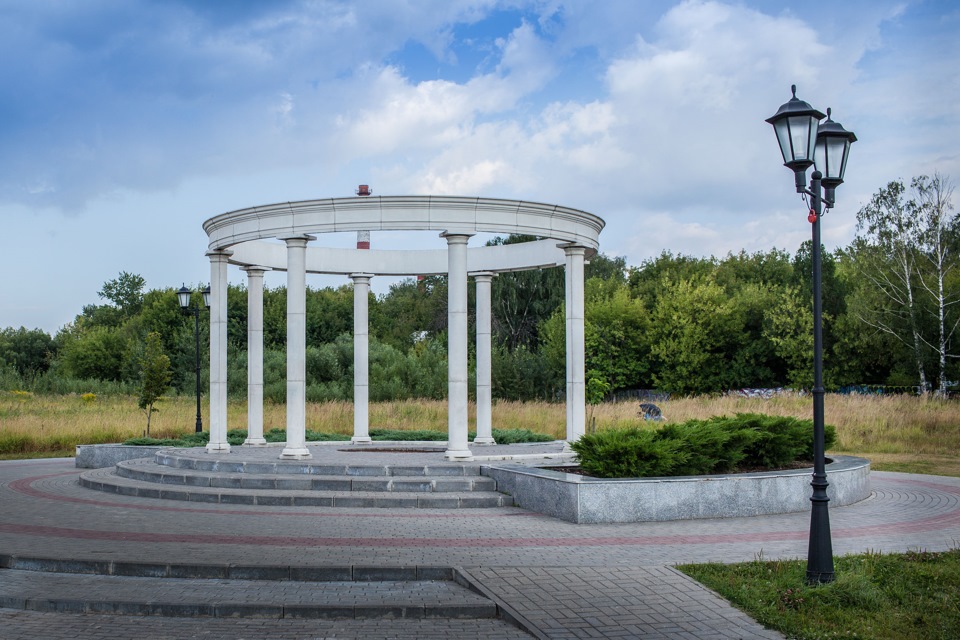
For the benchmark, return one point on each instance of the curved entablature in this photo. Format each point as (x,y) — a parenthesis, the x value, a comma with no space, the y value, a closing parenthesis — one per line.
(451,214)
(539,254)
(282,237)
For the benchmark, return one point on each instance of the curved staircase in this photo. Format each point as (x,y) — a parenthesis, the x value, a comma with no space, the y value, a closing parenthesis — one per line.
(184,475)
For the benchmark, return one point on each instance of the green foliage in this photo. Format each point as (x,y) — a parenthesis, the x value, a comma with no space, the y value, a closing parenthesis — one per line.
(517,436)
(154,375)
(522,300)
(399,434)
(909,596)
(28,351)
(690,326)
(709,447)
(158,442)
(125,292)
(682,324)
(94,352)
(698,447)
(596,390)
(788,325)
(522,374)
(412,310)
(616,335)
(628,453)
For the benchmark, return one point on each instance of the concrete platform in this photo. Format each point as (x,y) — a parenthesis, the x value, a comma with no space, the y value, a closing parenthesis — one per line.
(561,580)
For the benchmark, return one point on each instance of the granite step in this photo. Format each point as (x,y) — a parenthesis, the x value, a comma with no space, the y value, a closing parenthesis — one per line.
(218,597)
(188,459)
(149,471)
(109,480)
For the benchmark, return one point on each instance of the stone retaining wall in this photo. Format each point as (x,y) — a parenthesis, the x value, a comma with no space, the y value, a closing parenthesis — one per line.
(99,456)
(585,500)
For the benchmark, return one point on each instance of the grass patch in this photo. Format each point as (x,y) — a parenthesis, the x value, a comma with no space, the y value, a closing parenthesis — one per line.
(939,465)
(237,436)
(903,596)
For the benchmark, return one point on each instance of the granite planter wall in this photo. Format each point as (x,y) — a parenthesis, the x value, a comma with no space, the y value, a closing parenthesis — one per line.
(581,499)
(99,456)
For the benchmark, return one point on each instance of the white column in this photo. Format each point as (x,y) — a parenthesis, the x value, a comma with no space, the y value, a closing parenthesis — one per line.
(576,386)
(484,391)
(254,355)
(296,448)
(457,447)
(361,362)
(568,287)
(218,352)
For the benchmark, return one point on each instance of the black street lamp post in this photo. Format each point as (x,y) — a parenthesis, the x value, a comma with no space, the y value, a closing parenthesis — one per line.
(183,296)
(804,141)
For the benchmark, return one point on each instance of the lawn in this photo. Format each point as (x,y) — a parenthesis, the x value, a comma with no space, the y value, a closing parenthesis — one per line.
(910,596)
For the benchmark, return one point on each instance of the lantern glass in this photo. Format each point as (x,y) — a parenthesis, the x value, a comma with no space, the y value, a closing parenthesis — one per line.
(206,297)
(832,151)
(803,135)
(795,124)
(830,157)
(183,297)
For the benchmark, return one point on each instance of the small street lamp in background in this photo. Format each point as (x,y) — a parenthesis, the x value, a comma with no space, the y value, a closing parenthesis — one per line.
(183,296)
(805,141)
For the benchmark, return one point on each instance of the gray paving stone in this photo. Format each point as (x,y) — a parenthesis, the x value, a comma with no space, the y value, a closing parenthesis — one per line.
(564,577)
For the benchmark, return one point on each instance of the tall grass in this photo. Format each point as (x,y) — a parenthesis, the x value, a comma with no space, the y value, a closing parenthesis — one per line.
(865,424)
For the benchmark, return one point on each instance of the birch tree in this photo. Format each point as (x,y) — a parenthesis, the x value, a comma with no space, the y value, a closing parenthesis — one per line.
(886,250)
(932,209)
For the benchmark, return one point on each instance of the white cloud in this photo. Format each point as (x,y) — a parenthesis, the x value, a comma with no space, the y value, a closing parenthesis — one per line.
(476,178)
(649,114)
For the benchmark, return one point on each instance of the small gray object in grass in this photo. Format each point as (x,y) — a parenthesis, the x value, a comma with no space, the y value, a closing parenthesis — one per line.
(650,411)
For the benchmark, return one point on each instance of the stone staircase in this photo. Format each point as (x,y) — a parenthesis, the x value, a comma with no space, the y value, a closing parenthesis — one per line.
(174,475)
(130,588)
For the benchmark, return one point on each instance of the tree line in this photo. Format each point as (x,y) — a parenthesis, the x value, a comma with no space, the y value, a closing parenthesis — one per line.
(676,323)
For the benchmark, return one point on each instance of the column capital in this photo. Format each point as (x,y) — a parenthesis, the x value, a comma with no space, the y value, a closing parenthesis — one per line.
(219,254)
(298,240)
(483,276)
(361,277)
(254,271)
(572,249)
(456,237)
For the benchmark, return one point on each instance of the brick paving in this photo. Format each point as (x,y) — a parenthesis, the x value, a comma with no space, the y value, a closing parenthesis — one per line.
(564,580)
(31,625)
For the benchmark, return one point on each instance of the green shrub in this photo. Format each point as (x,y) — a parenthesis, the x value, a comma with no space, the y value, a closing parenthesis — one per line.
(699,447)
(709,447)
(629,453)
(155,442)
(514,436)
(398,434)
(317,436)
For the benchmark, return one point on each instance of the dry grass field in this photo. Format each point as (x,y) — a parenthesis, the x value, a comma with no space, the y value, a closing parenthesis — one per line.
(901,433)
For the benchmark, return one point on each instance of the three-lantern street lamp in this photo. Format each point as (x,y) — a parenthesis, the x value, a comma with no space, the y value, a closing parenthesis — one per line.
(805,141)
(183,297)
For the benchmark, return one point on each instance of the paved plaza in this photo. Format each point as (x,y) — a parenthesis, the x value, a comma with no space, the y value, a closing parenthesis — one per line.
(550,578)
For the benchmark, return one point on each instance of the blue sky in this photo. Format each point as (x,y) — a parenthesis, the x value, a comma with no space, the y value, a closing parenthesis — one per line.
(124,124)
